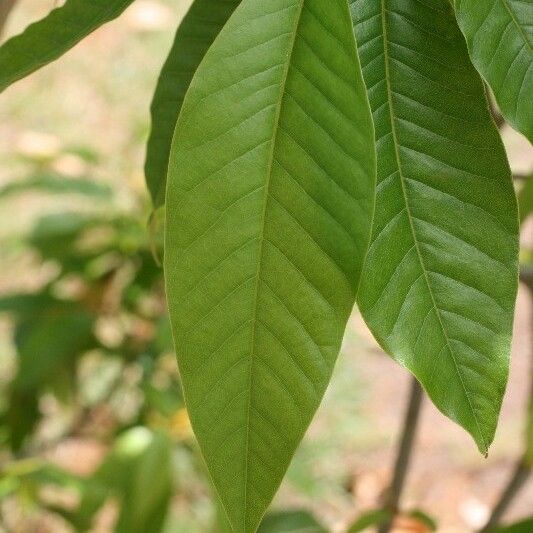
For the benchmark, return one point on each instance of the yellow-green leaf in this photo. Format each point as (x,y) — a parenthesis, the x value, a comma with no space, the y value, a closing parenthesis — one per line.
(269,203)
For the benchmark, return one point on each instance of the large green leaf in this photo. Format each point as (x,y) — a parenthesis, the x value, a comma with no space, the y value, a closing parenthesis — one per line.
(440,281)
(500,39)
(49,38)
(269,203)
(195,35)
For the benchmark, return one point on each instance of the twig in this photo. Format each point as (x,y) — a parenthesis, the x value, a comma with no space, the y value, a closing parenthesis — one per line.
(522,469)
(494,111)
(520,475)
(405,448)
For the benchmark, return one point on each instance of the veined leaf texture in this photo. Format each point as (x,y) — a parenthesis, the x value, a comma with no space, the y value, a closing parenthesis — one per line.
(440,280)
(500,39)
(269,204)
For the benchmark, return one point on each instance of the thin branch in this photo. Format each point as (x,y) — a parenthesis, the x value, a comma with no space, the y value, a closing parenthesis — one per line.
(494,111)
(405,449)
(522,469)
(518,479)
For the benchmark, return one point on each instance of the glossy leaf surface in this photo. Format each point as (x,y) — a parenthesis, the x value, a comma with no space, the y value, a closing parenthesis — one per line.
(49,38)
(269,204)
(440,281)
(500,39)
(195,35)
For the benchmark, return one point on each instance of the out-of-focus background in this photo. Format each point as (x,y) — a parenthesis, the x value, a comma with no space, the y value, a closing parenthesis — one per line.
(93,430)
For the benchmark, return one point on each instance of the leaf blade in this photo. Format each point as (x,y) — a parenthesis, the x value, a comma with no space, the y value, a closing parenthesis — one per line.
(49,38)
(195,35)
(440,280)
(264,241)
(500,40)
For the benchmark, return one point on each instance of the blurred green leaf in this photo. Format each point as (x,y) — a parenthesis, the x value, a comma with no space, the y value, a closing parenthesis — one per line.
(20,417)
(524,526)
(57,184)
(423,518)
(28,477)
(297,521)
(95,244)
(49,339)
(50,334)
(166,401)
(49,38)
(195,35)
(23,304)
(137,471)
(366,520)
(54,236)
(156,230)
(39,472)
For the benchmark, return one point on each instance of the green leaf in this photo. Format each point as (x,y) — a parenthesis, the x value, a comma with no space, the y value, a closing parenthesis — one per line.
(137,471)
(290,522)
(424,519)
(56,184)
(195,35)
(440,280)
(49,38)
(500,40)
(44,350)
(269,203)
(372,518)
(49,339)
(525,526)
(525,200)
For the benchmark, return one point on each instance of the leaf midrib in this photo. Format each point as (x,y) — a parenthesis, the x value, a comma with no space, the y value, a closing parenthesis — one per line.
(384,11)
(266,196)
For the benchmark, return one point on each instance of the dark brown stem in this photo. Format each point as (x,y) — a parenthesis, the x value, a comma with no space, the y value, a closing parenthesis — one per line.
(519,477)
(405,449)
(522,469)
(5,8)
